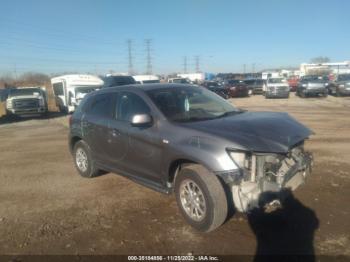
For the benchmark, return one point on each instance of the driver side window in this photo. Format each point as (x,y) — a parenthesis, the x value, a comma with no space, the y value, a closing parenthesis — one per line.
(130,104)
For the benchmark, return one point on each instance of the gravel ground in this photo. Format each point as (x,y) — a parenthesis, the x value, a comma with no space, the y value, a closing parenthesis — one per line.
(46,208)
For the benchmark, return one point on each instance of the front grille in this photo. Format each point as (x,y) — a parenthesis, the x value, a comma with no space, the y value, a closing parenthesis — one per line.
(281,88)
(25,103)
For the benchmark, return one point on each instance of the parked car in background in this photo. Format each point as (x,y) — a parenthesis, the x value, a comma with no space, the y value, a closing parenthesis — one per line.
(217,88)
(340,86)
(117,80)
(26,101)
(293,83)
(312,85)
(276,87)
(69,90)
(186,140)
(146,79)
(179,81)
(236,88)
(255,86)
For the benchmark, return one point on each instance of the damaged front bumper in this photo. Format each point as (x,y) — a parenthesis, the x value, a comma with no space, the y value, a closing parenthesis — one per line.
(269,173)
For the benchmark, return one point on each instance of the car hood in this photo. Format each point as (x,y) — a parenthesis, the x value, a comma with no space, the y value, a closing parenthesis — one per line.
(256,131)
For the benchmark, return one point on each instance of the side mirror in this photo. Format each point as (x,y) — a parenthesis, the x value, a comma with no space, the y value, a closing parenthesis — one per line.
(141,120)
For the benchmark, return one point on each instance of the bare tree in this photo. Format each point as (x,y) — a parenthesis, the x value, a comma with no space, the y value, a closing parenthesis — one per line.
(320,59)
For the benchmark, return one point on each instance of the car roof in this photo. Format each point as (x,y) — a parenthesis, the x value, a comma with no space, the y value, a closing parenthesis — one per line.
(144,87)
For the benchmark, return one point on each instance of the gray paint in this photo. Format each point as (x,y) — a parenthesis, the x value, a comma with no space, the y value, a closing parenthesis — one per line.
(148,151)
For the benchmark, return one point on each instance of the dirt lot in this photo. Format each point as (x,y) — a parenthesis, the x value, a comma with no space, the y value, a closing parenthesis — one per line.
(46,208)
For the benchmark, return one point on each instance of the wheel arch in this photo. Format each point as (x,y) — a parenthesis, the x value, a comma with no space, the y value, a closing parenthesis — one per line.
(73,140)
(176,165)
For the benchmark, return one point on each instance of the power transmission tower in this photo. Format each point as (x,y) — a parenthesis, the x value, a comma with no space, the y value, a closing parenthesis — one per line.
(148,43)
(253,68)
(130,57)
(185,64)
(196,58)
(244,68)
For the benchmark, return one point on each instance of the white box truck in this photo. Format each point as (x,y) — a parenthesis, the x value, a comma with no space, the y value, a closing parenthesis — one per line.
(69,90)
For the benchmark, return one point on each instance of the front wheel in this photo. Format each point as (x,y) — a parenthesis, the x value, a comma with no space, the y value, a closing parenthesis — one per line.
(83,160)
(201,198)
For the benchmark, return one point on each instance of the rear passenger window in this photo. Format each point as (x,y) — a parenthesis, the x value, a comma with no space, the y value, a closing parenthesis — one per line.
(101,105)
(58,89)
(130,104)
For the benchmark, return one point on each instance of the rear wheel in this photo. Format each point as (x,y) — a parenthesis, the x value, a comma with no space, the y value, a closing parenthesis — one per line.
(337,93)
(201,198)
(83,160)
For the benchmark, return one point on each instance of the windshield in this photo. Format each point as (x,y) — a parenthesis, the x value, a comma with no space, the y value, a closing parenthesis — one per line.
(188,104)
(212,84)
(150,81)
(344,77)
(25,92)
(234,82)
(313,78)
(111,81)
(276,80)
(180,81)
(86,89)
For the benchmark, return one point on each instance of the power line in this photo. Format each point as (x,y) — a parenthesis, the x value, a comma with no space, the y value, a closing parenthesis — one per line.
(130,57)
(196,59)
(148,43)
(185,64)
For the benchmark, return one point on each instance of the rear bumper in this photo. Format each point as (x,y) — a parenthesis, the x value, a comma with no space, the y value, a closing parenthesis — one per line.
(315,91)
(282,94)
(344,91)
(238,93)
(257,91)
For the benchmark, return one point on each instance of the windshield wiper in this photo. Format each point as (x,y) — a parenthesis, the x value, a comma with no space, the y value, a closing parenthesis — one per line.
(230,113)
(193,119)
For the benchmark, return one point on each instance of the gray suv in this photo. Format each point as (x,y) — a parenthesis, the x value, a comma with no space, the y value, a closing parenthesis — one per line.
(187,140)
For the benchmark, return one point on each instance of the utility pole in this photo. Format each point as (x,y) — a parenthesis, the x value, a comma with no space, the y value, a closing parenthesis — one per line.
(15,72)
(185,64)
(148,43)
(253,68)
(244,68)
(196,58)
(130,64)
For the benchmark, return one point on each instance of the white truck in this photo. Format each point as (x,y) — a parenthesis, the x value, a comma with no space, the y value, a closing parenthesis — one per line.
(69,90)
(276,87)
(146,79)
(26,101)
(179,80)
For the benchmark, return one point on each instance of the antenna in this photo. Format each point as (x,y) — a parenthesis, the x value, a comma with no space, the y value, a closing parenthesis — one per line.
(148,43)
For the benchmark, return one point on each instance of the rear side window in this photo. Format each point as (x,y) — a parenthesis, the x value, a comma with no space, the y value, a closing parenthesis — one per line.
(58,89)
(101,105)
(130,104)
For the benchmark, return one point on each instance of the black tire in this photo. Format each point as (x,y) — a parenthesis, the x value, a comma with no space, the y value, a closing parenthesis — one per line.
(214,197)
(91,170)
(337,93)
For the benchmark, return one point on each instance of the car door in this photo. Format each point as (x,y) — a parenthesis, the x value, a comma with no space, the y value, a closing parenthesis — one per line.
(95,124)
(143,150)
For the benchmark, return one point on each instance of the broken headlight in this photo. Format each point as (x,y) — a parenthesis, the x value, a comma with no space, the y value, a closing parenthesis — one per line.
(241,159)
